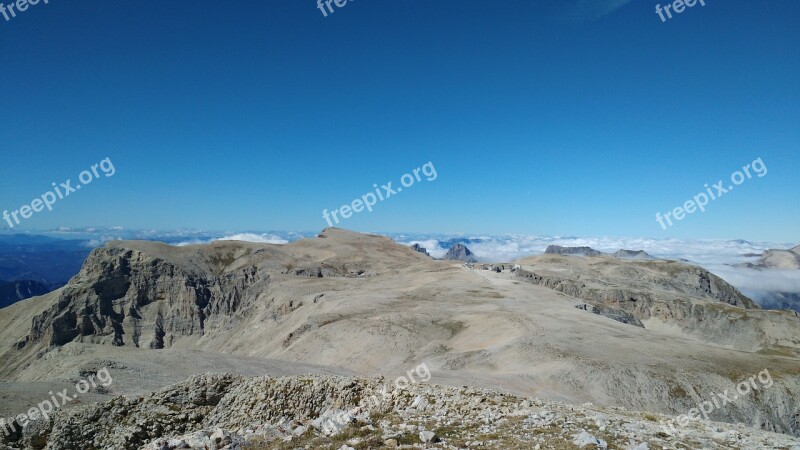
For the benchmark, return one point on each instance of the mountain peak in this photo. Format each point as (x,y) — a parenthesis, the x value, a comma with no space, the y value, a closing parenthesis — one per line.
(460,252)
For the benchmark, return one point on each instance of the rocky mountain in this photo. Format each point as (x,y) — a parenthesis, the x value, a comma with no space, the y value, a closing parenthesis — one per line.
(781,259)
(654,336)
(588,251)
(575,251)
(777,265)
(421,249)
(459,252)
(662,293)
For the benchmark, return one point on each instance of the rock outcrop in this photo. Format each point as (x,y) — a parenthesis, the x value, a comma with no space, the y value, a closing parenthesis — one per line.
(612,313)
(233,412)
(420,249)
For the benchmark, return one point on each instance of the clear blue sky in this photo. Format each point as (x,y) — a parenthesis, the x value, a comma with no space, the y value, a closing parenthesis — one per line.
(542,117)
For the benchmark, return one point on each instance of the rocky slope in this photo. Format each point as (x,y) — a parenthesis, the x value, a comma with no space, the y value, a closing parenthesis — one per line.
(666,293)
(233,412)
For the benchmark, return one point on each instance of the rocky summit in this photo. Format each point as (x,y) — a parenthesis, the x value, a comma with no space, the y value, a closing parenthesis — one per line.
(460,252)
(318,344)
(226,411)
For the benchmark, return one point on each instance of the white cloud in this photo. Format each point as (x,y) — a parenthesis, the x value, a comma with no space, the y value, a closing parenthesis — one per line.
(262,238)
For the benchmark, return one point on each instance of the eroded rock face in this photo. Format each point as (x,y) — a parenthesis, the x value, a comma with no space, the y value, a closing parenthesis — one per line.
(125,297)
(612,313)
(148,294)
(688,297)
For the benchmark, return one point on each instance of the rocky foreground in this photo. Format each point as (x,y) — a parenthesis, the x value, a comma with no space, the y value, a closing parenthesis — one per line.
(225,411)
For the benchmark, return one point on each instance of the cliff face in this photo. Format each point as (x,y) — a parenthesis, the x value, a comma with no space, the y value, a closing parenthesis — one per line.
(126,297)
(665,292)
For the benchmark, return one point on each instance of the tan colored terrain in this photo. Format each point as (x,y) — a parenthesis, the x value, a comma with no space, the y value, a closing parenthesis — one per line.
(354,304)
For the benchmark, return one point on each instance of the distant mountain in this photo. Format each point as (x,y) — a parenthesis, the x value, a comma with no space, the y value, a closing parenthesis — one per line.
(777,259)
(781,300)
(632,254)
(32,265)
(579,251)
(421,249)
(14,291)
(460,240)
(460,252)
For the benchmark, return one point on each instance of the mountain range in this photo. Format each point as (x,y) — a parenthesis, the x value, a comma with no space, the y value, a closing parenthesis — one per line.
(646,335)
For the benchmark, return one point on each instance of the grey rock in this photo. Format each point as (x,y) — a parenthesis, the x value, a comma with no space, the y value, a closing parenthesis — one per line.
(267,405)
(460,252)
(428,437)
(613,313)
(572,251)
(421,249)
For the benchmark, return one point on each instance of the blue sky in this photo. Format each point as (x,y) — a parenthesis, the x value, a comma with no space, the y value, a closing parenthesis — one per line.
(544,117)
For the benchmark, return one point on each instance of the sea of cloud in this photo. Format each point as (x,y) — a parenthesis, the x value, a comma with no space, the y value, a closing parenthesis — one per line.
(261,238)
